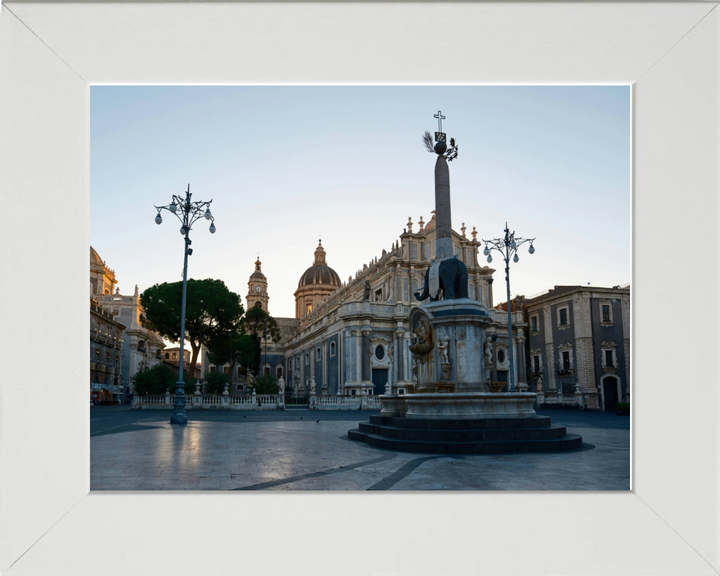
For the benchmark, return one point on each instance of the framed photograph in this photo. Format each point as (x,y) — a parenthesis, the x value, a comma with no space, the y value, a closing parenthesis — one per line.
(50,55)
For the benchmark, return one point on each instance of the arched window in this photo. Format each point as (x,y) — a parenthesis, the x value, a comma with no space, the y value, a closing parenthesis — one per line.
(258,304)
(167,355)
(332,348)
(175,356)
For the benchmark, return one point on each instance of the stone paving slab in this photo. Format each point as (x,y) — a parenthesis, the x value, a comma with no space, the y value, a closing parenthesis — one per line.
(287,453)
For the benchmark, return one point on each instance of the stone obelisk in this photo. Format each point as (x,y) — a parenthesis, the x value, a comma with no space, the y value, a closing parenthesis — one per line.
(443,223)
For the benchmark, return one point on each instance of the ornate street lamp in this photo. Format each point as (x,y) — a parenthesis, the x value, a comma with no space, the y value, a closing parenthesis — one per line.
(508,247)
(188,213)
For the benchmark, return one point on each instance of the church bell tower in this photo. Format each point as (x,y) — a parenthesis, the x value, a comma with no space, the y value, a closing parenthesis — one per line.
(257,289)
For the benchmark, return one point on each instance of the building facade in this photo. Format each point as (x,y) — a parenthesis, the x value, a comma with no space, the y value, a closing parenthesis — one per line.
(579,342)
(354,337)
(106,339)
(140,346)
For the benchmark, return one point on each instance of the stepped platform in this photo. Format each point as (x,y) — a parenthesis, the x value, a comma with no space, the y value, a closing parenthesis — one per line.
(477,436)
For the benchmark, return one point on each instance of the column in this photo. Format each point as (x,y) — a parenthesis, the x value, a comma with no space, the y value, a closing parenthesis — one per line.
(358,356)
(625,307)
(324,388)
(341,363)
(366,374)
(522,378)
(399,354)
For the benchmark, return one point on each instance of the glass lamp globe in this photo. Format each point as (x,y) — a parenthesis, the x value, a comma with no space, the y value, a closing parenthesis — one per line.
(207,214)
(489,259)
(158,219)
(531,249)
(516,258)
(173,207)
(212,228)
(513,245)
(486,251)
(182,230)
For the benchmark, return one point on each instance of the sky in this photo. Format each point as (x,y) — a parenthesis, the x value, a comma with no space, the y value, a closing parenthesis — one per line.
(287,165)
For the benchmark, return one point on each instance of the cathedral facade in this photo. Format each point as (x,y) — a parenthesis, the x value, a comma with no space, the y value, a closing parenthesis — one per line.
(353,338)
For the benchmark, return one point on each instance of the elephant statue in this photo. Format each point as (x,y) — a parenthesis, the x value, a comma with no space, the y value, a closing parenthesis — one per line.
(452,280)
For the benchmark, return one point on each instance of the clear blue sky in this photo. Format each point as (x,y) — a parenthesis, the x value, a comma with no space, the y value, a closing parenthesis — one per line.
(286,164)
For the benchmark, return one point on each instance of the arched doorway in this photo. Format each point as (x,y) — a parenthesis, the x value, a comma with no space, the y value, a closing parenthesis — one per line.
(610,390)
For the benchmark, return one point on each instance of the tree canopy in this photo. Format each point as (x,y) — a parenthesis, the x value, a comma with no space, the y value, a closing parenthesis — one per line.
(212,313)
(242,343)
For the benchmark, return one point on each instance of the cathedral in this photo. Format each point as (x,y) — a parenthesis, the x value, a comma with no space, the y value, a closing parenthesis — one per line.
(353,338)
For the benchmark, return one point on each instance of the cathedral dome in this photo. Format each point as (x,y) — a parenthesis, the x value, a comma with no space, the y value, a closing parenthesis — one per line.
(95,258)
(319,273)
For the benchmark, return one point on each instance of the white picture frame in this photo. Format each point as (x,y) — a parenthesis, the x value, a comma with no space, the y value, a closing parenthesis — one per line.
(49,522)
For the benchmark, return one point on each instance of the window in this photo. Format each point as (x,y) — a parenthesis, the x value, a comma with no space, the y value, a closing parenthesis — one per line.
(413,251)
(606,313)
(307,358)
(566,360)
(239,371)
(352,392)
(226,369)
(308,309)
(258,304)
(609,359)
(563,313)
(401,391)
(332,348)
(501,356)
(318,355)
(536,364)
(213,369)
(174,355)
(239,388)
(379,352)
(533,323)
(266,370)
(406,293)
(278,372)
(167,356)
(378,295)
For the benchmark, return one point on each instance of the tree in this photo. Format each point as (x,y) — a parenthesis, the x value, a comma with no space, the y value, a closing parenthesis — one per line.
(212,311)
(259,325)
(156,380)
(265,385)
(215,382)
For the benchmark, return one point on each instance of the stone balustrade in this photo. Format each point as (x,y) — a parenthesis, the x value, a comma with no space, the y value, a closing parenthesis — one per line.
(561,400)
(211,402)
(254,402)
(344,402)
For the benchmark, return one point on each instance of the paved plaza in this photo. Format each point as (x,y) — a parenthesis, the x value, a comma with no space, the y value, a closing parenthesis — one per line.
(298,449)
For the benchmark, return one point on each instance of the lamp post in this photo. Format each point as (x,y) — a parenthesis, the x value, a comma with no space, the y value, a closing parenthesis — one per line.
(188,213)
(508,247)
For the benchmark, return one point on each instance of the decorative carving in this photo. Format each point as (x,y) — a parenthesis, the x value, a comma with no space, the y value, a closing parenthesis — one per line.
(443,349)
(421,337)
